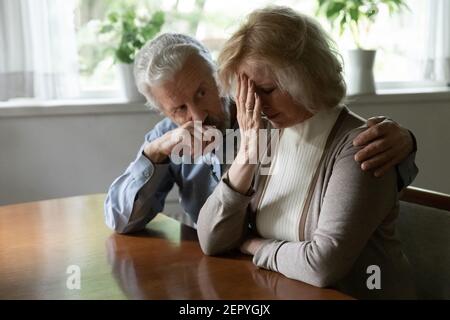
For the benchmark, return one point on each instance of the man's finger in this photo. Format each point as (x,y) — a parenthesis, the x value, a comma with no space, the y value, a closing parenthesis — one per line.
(370,151)
(384,169)
(378,161)
(375,120)
(369,135)
(187,124)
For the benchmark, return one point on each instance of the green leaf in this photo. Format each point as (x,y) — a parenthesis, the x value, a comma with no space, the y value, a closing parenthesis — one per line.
(354,14)
(342,23)
(113,17)
(158,18)
(106,28)
(341,13)
(128,32)
(333,9)
(123,54)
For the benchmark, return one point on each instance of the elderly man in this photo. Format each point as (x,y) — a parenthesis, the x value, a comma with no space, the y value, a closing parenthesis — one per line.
(178,77)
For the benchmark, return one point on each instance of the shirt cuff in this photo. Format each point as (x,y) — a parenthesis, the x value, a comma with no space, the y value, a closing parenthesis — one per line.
(413,137)
(144,169)
(230,198)
(249,193)
(406,171)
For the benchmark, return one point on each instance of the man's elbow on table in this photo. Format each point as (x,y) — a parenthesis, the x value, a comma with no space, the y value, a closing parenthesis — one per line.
(117,221)
(122,228)
(114,224)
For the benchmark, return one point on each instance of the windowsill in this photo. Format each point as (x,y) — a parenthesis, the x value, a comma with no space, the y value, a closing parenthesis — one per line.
(29,108)
(401,96)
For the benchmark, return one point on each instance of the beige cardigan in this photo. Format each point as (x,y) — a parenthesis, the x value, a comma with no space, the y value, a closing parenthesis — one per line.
(348,224)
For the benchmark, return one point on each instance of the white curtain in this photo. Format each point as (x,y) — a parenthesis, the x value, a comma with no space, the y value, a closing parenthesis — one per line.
(437,63)
(38,55)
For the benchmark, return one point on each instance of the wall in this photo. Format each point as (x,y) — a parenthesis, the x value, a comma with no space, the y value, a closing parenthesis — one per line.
(428,117)
(51,152)
(52,155)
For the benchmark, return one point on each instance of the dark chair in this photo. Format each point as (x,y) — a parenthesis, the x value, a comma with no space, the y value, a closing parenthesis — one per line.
(424,228)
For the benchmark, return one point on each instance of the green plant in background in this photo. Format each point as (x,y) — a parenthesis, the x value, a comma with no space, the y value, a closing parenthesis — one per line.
(130,31)
(355,14)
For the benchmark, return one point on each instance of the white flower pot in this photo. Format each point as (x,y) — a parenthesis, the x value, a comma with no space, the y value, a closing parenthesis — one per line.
(360,79)
(127,83)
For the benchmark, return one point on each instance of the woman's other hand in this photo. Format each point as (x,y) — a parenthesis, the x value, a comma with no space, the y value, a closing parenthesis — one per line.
(251,245)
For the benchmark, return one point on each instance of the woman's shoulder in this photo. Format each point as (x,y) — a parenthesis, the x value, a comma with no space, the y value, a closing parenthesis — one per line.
(347,127)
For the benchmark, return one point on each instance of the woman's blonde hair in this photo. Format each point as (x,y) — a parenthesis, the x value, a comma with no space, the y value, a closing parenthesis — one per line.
(297,51)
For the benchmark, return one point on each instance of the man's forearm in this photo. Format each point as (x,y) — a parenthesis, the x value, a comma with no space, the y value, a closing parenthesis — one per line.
(137,195)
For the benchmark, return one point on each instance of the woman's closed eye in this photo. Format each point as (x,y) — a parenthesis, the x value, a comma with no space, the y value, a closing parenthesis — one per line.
(267,91)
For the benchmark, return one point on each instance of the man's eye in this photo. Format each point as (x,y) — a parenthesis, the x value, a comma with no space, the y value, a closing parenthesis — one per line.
(201,93)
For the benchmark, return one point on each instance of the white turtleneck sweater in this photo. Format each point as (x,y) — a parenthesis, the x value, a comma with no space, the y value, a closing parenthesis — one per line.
(296,159)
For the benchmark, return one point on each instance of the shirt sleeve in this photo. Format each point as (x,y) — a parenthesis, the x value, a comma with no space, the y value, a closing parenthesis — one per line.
(407,170)
(136,196)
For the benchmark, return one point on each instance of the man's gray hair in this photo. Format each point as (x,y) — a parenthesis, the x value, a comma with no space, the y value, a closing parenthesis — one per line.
(160,58)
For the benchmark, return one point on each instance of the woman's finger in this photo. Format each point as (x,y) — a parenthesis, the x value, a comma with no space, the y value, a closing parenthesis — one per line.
(243,93)
(250,99)
(258,107)
(238,91)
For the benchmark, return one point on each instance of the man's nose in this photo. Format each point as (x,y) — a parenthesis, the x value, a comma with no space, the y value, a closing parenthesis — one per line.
(197,114)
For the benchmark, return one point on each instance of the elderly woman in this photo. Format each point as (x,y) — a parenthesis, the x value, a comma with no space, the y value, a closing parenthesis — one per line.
(317,217)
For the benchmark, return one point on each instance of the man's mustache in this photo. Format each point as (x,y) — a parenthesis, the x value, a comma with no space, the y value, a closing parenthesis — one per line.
(217,123)
(210,121)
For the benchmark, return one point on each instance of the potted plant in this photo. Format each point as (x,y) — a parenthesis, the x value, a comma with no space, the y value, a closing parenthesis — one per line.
(357,16)
(128,32)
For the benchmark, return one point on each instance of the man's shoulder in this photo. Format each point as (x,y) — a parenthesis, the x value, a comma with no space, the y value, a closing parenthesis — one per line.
(162,127)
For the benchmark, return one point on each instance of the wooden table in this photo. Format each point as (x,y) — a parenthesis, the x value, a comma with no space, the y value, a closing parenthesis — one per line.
(40,240)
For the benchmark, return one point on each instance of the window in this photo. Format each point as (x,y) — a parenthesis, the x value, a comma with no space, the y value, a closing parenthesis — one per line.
(402,40)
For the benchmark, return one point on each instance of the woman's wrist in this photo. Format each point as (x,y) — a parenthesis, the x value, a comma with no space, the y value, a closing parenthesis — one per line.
(240,176)
(247,154)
